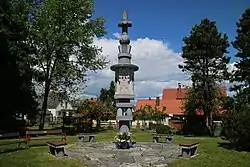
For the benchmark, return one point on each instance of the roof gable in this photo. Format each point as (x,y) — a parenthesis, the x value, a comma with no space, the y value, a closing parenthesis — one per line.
(173,94)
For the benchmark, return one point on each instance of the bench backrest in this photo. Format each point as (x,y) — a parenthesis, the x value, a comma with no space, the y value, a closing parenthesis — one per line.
(9,135)
(44,132)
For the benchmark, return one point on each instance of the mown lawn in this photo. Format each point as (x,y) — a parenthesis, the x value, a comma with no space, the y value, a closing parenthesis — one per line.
(210,154)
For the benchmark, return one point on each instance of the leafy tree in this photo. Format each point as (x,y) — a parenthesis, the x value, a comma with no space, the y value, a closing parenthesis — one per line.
(141,114)
(104,95)
(63,33)
(205,60)
(191,104)
(16,74)
(94,110)
(107,97)
(151,113)
(112,93)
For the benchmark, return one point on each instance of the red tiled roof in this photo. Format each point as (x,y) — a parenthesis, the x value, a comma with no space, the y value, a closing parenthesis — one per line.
(173,94)
(180,93)
(171,99)
(172,106)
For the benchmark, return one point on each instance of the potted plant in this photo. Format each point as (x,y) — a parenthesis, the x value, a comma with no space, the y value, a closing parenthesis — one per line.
(123,140)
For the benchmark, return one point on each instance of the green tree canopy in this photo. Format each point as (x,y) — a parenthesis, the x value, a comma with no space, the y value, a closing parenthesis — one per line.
(63,33)
(107,97)
(241,44)
(205,60)
(236,125)
(16,74)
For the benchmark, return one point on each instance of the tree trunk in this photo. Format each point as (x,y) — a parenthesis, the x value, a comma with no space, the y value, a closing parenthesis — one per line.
(91,124)
(44,107)
(207,108)
(98,124)
(210,123)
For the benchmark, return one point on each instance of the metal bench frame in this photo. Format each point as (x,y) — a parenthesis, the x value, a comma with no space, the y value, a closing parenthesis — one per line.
(82,135)
(14,135)
(168,138)
(30,133)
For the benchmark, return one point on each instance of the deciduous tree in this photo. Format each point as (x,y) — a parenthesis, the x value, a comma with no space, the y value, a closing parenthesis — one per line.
(95,110)
(63,32)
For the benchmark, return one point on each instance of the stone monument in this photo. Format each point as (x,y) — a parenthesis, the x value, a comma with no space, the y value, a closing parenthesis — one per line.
(124,77)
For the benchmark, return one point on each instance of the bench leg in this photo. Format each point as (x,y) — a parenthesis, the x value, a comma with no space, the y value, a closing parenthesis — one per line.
(185,152)
(193,151)
(168,140)
(27,145)
(18,146)
(188,152)
(155,139)
(58,152)
(80,138)
(91,138)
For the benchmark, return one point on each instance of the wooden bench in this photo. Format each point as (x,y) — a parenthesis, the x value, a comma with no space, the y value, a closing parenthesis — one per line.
(56,148)
(15,136)
(166,136)
(34,134)
(82,135)
(189,149)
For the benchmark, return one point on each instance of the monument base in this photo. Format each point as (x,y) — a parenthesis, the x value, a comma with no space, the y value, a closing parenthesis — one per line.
(121,122)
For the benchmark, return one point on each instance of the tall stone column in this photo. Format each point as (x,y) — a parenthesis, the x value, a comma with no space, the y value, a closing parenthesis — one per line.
(124,76)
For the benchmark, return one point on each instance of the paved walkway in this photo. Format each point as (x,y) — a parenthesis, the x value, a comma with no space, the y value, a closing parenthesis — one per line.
(105,154)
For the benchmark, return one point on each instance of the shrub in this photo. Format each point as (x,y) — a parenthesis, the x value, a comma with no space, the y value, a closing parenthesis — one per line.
(163,129)
(236,127)
(195,125)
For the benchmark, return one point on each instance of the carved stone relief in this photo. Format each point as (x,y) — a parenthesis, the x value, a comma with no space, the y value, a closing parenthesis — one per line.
(119,112)
(129,112)
(124,85)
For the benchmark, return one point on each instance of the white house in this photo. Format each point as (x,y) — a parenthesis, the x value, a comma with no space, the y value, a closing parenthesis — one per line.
(57,108)
(61,108)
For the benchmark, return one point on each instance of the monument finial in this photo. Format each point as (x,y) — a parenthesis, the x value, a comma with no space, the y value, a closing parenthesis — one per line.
(125,15)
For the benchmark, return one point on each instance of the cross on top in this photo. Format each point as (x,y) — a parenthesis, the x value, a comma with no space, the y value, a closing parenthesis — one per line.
(124,24)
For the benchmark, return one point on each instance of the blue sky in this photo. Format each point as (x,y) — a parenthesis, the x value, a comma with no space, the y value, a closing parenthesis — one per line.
(170,20)
(156,38)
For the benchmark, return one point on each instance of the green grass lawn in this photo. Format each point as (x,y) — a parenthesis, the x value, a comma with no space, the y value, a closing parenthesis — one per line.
(210,155)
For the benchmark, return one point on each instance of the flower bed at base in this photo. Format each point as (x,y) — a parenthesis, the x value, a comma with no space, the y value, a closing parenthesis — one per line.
(124,140)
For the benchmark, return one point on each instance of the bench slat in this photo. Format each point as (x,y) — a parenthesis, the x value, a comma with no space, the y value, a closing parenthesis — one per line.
(86,134)
(57,143)
(162,135)
(9,135)
(30,132)
(12,142)
(188,144)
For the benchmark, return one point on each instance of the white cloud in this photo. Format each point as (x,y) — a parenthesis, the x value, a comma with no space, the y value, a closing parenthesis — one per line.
(158,67)
(231,67)
(117,35)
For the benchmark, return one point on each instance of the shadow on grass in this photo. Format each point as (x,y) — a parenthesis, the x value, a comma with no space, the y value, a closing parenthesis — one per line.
(231,146)
(12,150)
(71,131)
